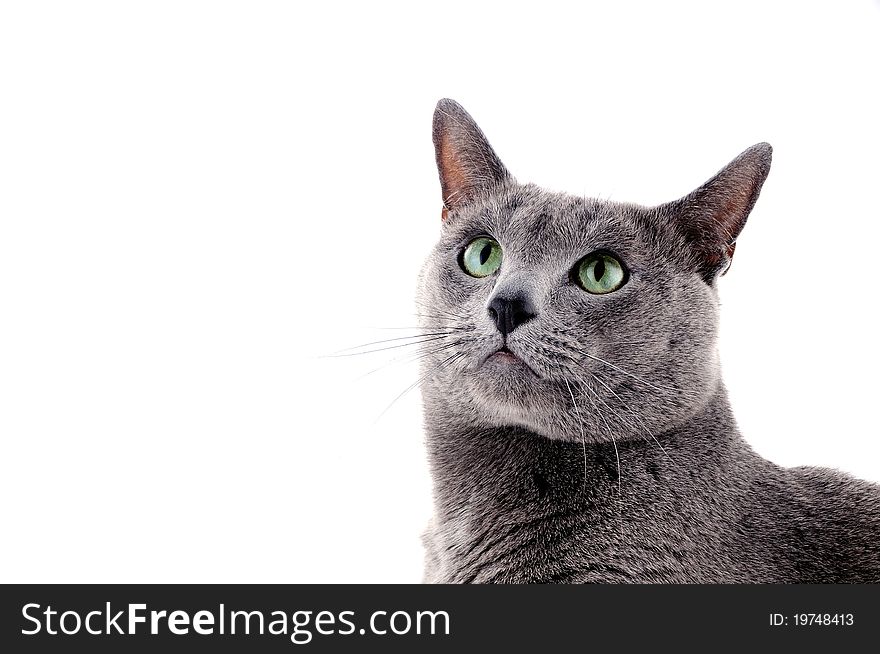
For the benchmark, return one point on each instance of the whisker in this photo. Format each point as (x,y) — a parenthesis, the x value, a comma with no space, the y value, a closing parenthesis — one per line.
(613,441)
(418,381)
(557,348)
(636,377)
(580,427)
(633,414)
(417,328)
(411,357)
(390,340)
(383,349)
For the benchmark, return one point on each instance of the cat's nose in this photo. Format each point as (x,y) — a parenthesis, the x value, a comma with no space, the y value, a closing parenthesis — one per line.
(510,313)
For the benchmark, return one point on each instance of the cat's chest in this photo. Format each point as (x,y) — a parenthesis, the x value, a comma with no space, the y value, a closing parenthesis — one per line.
(567,546)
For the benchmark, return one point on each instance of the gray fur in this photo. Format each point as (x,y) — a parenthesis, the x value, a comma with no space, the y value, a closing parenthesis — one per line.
(527,486)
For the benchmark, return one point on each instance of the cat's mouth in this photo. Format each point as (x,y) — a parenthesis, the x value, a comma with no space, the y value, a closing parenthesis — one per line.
(504,357)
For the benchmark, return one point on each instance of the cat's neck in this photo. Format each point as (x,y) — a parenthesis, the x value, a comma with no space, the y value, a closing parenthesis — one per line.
(487,472)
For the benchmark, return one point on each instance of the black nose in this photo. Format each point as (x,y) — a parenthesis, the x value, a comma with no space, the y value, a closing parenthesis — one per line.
(510,313)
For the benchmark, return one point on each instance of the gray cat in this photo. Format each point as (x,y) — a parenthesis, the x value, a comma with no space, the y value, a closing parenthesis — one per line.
(577,426)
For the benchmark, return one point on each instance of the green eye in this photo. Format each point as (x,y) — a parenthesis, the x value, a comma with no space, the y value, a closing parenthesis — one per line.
(481,257)
(599,273)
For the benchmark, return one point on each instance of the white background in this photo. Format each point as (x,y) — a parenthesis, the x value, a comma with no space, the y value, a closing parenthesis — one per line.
(198,200)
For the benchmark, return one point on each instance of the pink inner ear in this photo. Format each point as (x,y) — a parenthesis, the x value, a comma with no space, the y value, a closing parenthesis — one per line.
(733,213)
(453,174)
(444,214)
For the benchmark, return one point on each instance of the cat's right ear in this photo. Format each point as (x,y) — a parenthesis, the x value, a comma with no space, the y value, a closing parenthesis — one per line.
(713,216)
(467,164)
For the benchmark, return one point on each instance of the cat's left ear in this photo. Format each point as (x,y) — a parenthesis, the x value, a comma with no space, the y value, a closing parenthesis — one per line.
(467,164)
(713,216)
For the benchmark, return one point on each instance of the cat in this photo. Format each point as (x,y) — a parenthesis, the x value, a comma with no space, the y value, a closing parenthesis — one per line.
(577,427)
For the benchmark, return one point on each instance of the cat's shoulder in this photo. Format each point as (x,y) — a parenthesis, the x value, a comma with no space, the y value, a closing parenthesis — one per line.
(838,520)
(833,484)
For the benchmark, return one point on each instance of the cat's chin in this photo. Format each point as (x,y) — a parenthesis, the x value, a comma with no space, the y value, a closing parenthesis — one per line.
(509,393)
(507,416)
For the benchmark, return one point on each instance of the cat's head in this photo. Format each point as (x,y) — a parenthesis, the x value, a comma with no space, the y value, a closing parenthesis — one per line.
(570,316)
